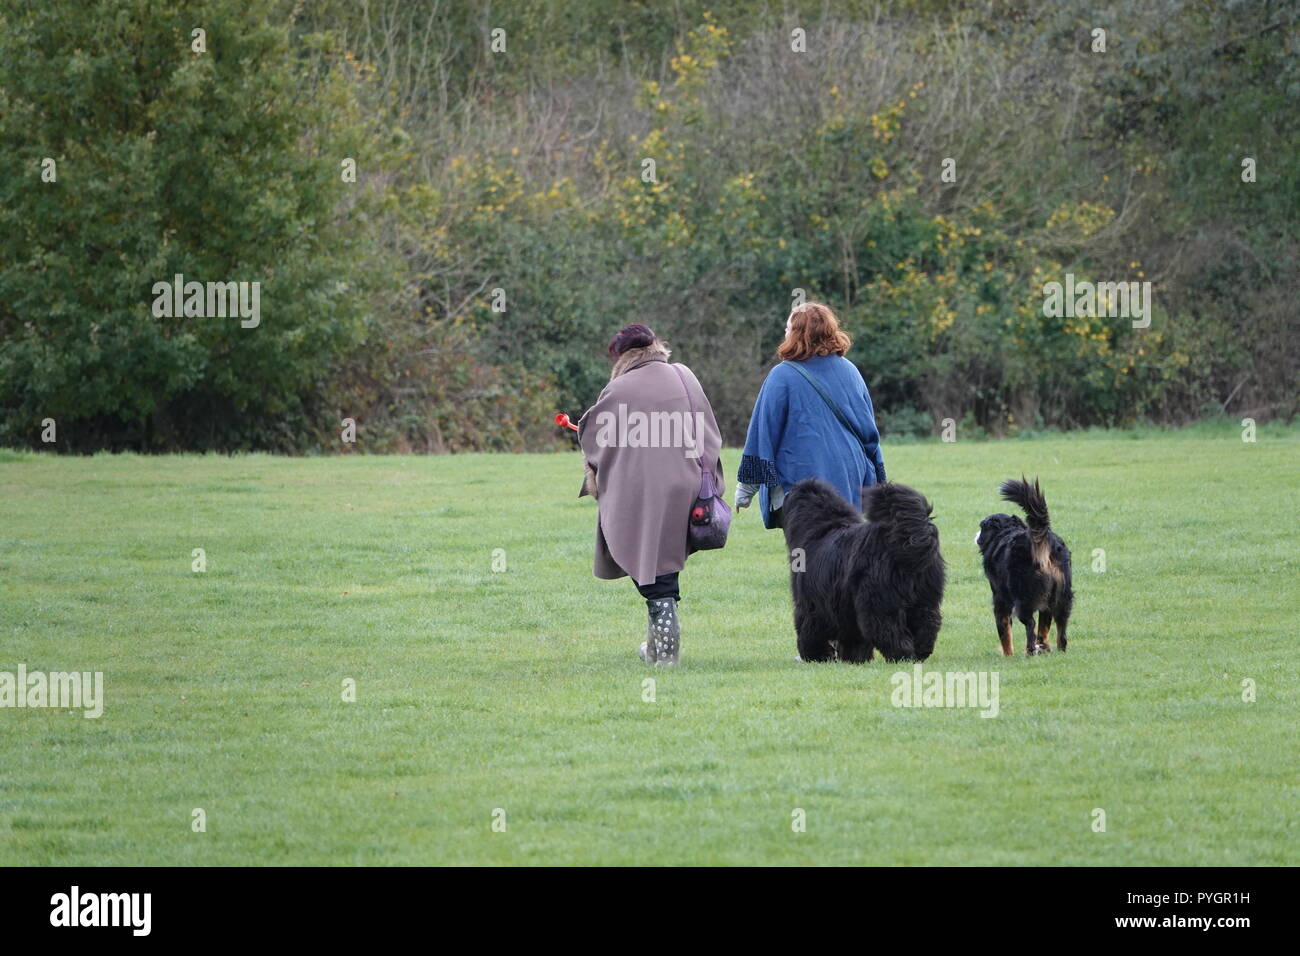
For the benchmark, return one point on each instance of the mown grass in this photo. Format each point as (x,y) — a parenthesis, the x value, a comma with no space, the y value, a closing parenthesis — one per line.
(521,690)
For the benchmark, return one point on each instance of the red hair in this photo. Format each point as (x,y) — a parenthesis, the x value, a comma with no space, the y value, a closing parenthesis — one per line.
(814,330)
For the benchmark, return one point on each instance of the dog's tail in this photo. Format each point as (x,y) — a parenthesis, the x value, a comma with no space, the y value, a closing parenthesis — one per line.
(1030,498)
(907,512)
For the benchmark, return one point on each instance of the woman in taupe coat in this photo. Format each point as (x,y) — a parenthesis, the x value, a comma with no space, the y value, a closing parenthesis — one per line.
(643,443)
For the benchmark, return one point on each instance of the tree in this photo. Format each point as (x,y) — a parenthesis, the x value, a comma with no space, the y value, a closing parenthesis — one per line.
(212,155)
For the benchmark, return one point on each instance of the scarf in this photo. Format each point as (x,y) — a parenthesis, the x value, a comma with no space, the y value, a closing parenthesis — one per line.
(656,349)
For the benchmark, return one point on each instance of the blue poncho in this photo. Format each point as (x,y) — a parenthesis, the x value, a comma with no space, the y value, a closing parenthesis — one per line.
(794,435)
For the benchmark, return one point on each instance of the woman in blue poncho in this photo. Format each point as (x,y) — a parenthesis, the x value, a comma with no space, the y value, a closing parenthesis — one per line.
(813,419)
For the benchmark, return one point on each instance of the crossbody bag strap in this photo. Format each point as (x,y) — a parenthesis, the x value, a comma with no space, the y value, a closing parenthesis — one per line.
(830,403)
(690,402)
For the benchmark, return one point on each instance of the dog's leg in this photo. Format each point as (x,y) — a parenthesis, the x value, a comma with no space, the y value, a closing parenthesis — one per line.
(1027,619)
(811,639)
(856,632)
(855,651)
(1062,620)
(889,635)
(923,623)
(868,630)
(1044,625)
(850,649)
(1002,618)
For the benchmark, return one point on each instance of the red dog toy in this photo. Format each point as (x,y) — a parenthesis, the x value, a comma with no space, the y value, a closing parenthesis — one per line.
(562,420)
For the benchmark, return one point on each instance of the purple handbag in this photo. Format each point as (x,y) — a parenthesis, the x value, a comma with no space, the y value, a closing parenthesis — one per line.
(710,515)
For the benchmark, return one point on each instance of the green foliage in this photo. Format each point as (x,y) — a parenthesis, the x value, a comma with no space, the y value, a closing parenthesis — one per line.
(209,165)
(501,229)
(824,177)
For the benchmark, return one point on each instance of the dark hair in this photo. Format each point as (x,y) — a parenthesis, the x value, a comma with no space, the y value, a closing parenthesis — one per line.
(634,336)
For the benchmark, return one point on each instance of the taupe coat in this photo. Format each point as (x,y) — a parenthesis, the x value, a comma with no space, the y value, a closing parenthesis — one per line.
(644,493)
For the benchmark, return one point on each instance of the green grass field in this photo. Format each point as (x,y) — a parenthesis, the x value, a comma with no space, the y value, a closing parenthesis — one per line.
(521,690)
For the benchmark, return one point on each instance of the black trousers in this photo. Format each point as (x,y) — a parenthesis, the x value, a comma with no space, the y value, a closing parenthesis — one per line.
(665,586)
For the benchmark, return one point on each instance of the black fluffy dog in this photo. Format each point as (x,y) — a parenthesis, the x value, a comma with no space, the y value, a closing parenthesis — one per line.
(863,586)
(1028,569)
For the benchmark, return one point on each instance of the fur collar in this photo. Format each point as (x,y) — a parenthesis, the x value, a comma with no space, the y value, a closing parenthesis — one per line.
(656,351)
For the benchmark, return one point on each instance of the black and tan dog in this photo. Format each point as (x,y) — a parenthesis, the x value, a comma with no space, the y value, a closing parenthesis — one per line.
(1028,569)
(863,586)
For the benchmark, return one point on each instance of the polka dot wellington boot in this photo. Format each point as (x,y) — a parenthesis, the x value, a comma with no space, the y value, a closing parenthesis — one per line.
(663,633)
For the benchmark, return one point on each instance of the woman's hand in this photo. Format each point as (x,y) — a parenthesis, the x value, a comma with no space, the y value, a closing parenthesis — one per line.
(744,494)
